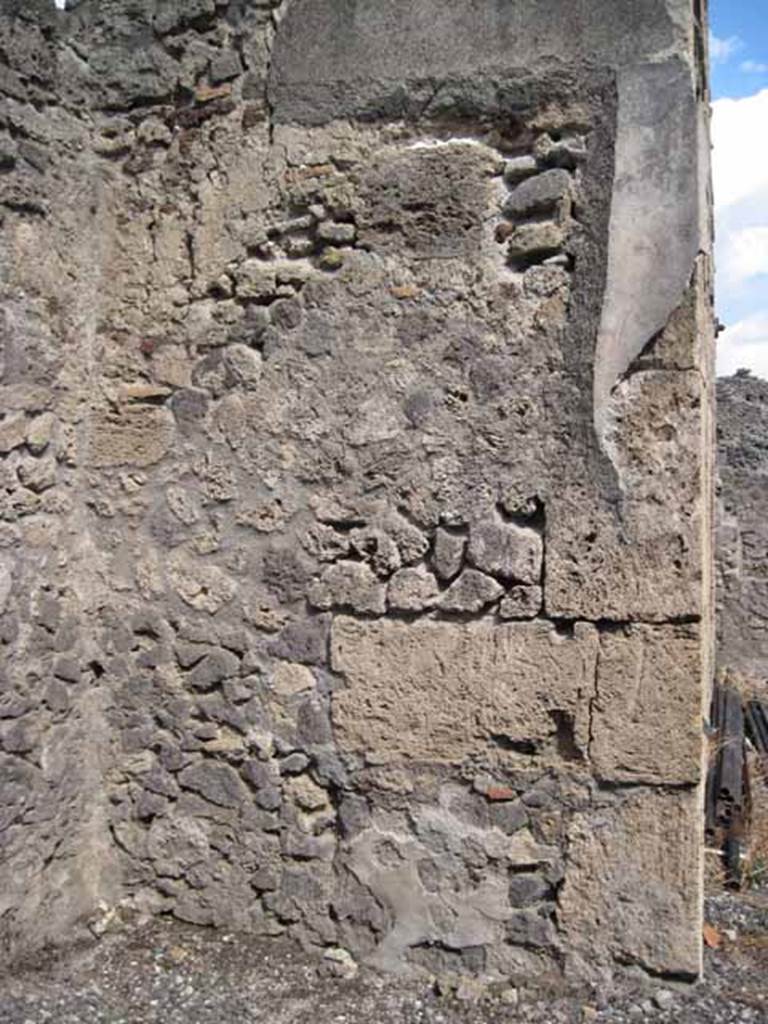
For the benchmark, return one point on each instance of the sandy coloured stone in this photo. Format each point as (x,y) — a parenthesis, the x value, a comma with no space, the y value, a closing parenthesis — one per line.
(634,890)
(255,280)
(202,586)
(536,241)
(448,554)
(521,602)
(646,722)
(40,432)
(412,590)
(288,679)
(510,552)
(244,364)
(440,690)
(471,592)
(13,432)
(138,436)
(349,585)
(519,167)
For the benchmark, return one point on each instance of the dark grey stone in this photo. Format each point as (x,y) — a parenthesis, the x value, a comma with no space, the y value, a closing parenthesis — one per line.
(540,194)
(294,763)
(354,814)
(68,669)
(530,928)
(305,641)
(526,888)
(213,669)
(313,723)
(215,782)
(225,66)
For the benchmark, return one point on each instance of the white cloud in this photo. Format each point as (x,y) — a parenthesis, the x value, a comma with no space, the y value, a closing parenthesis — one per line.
(744,345)
(740,176)
(743,254)
(753,67)
(721,50)
(740,159)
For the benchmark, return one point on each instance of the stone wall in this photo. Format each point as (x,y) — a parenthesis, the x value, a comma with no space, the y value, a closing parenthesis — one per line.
(356,476)
(742,534)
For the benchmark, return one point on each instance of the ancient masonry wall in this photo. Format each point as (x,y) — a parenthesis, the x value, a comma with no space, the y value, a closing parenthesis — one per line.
(742,526)
(356,479)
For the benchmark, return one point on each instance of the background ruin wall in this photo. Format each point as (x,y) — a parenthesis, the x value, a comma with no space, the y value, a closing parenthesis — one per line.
(742,526)
(355,486)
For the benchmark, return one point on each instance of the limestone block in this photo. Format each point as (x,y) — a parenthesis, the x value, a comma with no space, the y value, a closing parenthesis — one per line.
(438,197)
(377,548)
(289,679)
(412,590)
(137,436)
(536,241)
(256,280)
(471,592)
(442,691)
(448,554)
(13,432)
(511,552)
(632,891)
(647,714)
(647,562)
(37,474)
(521,603)
(411,542)
(349,585)
(39,432)
(204,587)
(244,365)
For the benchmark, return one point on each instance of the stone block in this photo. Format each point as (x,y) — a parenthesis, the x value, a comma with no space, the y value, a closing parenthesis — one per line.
(522,603)
(349,585)
(510,552)
(215,782)
(535,241)
(647,717)
(471,592)
(137,436)
(448,554)
(539,195)
(443,691)
(13,432)
(412,590)
(633,885)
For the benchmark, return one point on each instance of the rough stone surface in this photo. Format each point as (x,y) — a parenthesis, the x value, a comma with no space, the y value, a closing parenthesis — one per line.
(742,528)
(355,365)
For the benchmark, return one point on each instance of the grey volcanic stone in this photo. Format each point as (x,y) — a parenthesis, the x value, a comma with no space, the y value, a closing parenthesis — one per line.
(216,782)
(448,554)
(213,669)
(540,194)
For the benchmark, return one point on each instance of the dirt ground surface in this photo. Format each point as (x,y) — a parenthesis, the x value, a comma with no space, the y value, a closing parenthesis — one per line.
(166,973)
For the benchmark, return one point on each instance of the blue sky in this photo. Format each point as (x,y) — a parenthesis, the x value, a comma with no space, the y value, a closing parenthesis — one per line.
(739,54)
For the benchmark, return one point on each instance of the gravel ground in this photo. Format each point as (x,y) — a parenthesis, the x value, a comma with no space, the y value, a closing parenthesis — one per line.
(172,974)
